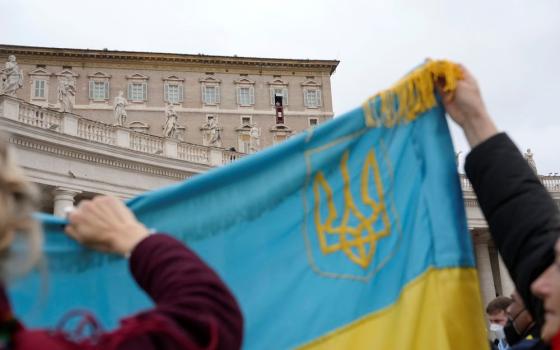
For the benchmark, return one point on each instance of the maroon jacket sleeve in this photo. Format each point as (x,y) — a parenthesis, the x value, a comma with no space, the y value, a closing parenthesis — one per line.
(191,300)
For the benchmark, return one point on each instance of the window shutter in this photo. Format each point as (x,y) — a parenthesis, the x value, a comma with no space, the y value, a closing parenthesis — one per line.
(107,90)
(238,90)
(129,91)
(166,92)
(217,89)
(203,93)
(272,96)
(180,92)
(145,91)
(305,100)
(285,96)
(252,95)
(318,94)
(91,89)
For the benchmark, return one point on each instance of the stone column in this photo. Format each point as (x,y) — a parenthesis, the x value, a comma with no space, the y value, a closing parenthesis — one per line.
(69,124)
(9,107)
(63,198)
(507,283)
(216,156)
(170,148)
(485,272)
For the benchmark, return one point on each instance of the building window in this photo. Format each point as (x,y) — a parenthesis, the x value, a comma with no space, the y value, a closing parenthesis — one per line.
(173,93)
(98,90)
(244,143)
(99,86)
(39,88)
(279,138)
(210,94)
(245,120)
(137,92)
(279,91)
(312,98)
(39,83)
(313,121)
(245,95)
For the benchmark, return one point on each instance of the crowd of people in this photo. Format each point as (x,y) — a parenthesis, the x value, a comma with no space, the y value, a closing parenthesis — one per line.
(194,308)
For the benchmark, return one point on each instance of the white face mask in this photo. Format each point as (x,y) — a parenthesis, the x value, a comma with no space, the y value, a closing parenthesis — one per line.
(496,332)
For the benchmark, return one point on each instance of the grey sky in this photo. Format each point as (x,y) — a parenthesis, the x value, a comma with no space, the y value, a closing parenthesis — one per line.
(511,46)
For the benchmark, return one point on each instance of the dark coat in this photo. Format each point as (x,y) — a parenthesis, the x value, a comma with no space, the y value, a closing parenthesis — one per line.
(523,219)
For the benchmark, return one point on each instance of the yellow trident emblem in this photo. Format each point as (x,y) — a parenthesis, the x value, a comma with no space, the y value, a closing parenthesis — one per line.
(358,243)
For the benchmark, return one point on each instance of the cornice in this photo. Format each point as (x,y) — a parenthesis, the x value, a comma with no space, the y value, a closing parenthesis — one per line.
(89,157)
(171,58)
(73,147)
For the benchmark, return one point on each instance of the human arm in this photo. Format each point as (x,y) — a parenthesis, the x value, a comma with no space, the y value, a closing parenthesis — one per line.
(192,305)
(521,215)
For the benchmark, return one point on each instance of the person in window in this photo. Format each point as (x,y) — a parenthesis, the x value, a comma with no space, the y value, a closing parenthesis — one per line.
(193,307)
(523,219)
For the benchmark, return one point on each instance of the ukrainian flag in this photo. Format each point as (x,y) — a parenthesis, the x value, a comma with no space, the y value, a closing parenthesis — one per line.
(351,235)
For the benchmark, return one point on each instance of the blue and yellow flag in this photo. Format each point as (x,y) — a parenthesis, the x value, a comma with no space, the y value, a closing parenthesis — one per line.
(351,235)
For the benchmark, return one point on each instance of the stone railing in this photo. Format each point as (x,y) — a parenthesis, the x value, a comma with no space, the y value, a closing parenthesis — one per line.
(146,143)
(40,117)
(96,131)
(230,156)
(551,183)
(193,153)
(77,126)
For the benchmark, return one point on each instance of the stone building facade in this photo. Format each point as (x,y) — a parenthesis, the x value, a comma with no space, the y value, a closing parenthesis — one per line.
(209,94)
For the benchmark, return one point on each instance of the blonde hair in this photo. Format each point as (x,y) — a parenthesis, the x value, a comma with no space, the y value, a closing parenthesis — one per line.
(18,200)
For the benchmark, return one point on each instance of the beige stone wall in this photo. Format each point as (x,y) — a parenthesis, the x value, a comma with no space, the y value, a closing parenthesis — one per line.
(192,112)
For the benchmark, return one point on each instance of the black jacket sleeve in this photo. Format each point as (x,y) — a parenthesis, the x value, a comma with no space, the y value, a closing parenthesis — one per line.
(522,216)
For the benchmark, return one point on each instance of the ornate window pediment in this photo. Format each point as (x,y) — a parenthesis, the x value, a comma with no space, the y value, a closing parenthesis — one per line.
(137,76)
(174,78)
(99,75)
(40,72)
(67,73)
(311,83)
(244,81)
(139,126)
(278,81)
(210,80)
(280,133)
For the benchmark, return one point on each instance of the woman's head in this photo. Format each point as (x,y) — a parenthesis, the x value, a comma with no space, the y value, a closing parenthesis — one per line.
(547,287)
(17,203)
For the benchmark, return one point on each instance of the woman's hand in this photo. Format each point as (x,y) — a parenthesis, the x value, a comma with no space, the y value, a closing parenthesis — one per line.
(466,108)
(105,224)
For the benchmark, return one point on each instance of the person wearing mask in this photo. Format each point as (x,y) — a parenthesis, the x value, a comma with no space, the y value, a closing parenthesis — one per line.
(520,331)
(193,307)
(496,311)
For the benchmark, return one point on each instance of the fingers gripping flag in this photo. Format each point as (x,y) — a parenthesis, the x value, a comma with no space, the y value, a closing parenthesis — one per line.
(351,235)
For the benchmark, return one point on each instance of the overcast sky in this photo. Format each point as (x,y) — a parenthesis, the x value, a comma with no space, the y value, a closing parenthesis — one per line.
(513,47)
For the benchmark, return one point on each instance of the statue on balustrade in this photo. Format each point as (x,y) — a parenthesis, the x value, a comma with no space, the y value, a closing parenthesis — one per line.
(170,126)
(11,76)
(66,94)
(212,133)
(120,109)
(255,142)
(529,158)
